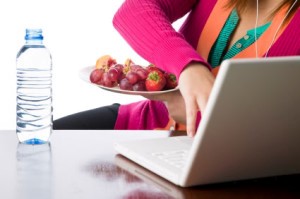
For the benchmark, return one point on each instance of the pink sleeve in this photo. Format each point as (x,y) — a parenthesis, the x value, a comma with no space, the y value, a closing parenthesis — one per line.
(147,26)
(146,114)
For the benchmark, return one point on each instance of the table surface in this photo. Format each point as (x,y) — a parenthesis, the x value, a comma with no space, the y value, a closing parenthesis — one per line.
(83,164)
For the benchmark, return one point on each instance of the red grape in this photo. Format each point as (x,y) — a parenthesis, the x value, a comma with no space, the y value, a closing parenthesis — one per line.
(96,75)
(106,81)
(139,86)
(142,73)
(113,74)
(132,77)
(135,67)
(119,67)
(125,84)
(122,76)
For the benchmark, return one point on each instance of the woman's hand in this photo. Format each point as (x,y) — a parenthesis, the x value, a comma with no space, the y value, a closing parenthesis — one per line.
(195,84)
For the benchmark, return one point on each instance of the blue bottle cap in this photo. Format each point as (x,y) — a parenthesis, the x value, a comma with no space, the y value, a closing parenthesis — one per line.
(34,34)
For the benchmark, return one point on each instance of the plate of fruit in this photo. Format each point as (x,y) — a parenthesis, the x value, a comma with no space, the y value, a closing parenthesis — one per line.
(128,78)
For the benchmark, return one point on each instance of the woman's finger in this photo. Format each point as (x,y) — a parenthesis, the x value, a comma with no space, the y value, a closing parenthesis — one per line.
(191,115)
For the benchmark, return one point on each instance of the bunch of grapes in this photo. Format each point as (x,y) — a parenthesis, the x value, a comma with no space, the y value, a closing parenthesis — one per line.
(132,79)
(128,76)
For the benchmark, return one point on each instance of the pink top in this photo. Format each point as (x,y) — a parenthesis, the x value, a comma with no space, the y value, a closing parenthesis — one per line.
(147,26)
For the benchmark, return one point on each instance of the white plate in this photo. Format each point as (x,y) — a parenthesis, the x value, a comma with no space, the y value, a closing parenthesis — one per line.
(85,72)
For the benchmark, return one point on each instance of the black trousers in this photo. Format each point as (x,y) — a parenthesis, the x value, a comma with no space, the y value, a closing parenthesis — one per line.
(95,119)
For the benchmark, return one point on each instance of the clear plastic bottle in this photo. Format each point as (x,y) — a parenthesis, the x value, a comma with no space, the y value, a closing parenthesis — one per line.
(34,90)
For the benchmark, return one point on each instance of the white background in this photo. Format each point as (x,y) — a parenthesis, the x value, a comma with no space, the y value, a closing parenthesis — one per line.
(77,33)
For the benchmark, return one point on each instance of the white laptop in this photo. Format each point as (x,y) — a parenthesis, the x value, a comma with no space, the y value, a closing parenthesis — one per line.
(250,128)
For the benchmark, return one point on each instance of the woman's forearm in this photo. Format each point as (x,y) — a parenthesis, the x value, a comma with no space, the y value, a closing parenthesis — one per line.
(147,26)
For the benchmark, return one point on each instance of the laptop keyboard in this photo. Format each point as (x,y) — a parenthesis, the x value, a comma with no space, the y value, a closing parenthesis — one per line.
(174,158)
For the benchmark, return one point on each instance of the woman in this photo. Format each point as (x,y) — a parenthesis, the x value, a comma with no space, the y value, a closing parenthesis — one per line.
(213,31)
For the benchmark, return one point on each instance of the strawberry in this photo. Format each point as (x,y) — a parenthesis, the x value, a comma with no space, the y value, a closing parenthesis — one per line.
(171,81)
(152,67)
(155,81)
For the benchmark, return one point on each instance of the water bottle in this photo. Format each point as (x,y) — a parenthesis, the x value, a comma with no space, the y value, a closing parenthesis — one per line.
(34,90)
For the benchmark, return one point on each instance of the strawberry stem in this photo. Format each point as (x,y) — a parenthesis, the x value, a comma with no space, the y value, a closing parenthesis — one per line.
(154,76)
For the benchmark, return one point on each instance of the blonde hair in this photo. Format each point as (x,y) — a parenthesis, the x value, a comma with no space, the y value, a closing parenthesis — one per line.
(241,5)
